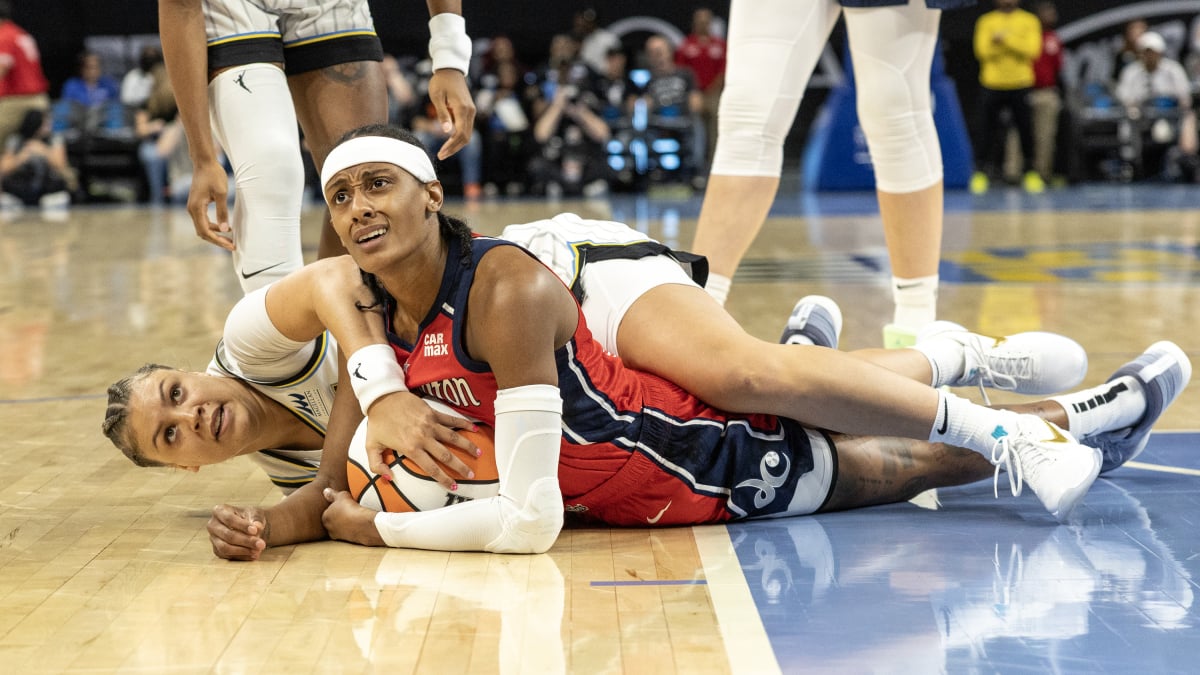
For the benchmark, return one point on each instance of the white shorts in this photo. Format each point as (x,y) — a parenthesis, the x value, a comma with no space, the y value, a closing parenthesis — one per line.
(312,33)
(606,288)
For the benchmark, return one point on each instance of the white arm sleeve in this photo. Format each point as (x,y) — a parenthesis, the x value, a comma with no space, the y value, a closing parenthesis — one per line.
(527,515)
(255,347)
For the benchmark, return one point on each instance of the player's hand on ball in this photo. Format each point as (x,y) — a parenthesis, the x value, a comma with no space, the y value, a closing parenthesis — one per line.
(348,521)
(405,424)
(237,532)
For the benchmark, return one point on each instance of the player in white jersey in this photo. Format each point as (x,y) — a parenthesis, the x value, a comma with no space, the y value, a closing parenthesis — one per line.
(253,70)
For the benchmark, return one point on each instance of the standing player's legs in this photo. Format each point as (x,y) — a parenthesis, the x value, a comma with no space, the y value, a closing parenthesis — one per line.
(253,120)
(892,50)
(335,71)
(254,123)
(773,47)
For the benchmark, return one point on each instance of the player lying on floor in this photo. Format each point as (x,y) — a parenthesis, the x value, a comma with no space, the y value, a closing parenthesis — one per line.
(1058,469)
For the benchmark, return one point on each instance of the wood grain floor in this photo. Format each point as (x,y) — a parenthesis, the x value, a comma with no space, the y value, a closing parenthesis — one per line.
(106,568)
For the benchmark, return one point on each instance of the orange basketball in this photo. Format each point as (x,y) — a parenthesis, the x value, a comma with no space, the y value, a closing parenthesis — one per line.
(411,489)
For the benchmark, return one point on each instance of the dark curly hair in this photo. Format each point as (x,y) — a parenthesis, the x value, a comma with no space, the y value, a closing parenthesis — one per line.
(449,227)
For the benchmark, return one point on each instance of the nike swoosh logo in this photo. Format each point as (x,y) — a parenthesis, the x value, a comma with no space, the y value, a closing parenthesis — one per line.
(655,519)
(1057,437)
(256,273)
(945,418)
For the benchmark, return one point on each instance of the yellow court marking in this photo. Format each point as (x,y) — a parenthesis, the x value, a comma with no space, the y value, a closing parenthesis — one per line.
(1163,468)
(746,643)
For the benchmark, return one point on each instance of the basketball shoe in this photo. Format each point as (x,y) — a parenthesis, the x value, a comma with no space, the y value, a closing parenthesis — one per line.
(1057,469)
(1163,371)
(815,320)
(1026,363)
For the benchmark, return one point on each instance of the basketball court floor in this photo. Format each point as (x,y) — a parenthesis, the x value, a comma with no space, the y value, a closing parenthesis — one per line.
(105,567)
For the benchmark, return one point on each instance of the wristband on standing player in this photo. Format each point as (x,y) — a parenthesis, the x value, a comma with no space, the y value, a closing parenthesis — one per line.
(449,45)
(374,372)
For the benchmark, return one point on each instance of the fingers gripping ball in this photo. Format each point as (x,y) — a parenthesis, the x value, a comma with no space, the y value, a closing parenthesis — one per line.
(411,489)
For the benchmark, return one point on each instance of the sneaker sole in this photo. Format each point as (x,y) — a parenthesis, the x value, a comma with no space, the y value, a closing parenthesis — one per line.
(1072,497)
(815,301)
(1162,355)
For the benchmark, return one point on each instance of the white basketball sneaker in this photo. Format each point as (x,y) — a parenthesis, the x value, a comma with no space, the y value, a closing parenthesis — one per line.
(815,320)
(1026,363)
(1163,371)
(1058,469)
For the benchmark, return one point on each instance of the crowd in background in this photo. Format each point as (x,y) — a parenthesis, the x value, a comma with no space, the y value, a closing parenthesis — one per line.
(598,114)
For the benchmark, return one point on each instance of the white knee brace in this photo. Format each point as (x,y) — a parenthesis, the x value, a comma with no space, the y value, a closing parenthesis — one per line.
(773,47)
(254,121)
(892,49)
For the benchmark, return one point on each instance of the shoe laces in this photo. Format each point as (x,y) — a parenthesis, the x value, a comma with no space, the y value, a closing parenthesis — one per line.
(1014,369)
(1004,457)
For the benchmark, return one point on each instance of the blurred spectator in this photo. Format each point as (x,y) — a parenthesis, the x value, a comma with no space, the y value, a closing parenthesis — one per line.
(1046,99)
(139,81)
(594,41)
(562,67)
(23,85)
(426,126)
(1007,40)
(500,51)
(704,53)
(571,138)
(673,106)
(1156,92)
(402,96)
(1153,76)
(91,87)
(150,121)
(614,90)
(505,116)
(34,168)
(1127,52)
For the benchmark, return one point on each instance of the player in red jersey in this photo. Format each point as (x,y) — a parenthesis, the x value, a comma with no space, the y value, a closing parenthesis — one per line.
(485,328)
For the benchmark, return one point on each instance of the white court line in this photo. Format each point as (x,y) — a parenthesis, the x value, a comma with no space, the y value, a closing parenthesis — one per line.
(746,643)
(1163,468)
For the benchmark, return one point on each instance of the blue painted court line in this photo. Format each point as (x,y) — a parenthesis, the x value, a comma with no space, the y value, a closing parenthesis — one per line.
(986,585)
(662,582)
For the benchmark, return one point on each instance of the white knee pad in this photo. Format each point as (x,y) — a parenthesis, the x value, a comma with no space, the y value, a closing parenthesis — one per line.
(773,47)
(892,50)
(254,121)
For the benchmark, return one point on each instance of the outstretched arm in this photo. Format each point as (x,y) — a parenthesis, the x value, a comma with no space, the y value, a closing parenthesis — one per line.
(185,52)
(450,49)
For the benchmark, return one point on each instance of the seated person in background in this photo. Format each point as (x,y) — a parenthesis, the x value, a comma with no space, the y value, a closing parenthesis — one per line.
(1156,91)
(505,113)
(149,122)
(571,137)
(91,87)
(138,83)
(34,168)
(674,105)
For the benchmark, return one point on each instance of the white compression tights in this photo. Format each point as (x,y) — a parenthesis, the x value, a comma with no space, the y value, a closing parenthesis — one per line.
(774,46)
(254,121)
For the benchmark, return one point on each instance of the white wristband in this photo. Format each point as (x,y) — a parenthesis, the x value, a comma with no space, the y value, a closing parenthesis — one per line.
(449,45)
(374,372)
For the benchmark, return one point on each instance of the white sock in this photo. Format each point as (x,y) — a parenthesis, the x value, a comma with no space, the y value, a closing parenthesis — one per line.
(718,287)
(947,358)
(1108,407)
(916,301)
(964,424)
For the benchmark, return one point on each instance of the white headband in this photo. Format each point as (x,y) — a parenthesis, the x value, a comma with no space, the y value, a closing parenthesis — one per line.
(365,149)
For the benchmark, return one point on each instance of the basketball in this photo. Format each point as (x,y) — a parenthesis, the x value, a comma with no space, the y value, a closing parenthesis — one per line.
(410,488)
